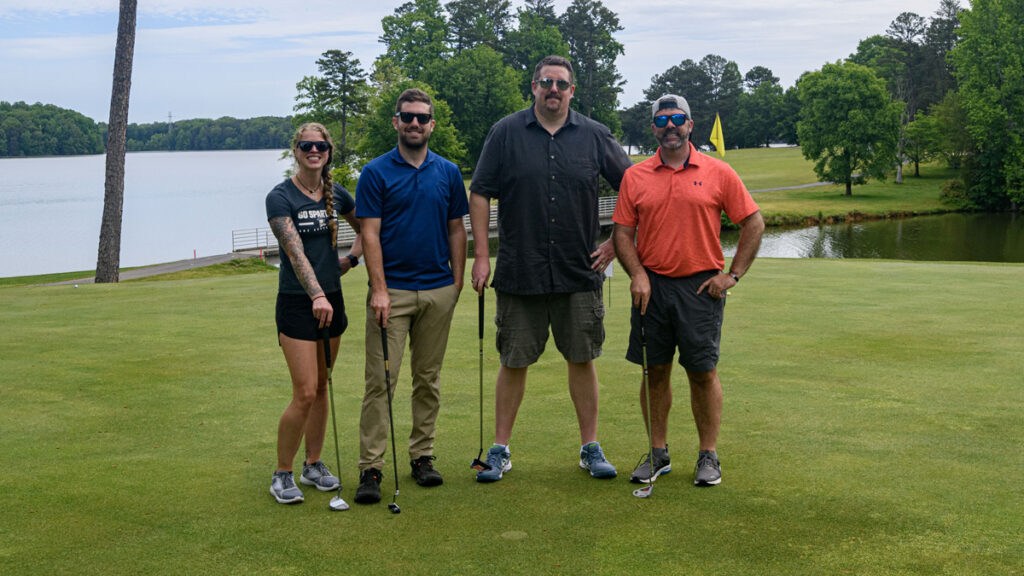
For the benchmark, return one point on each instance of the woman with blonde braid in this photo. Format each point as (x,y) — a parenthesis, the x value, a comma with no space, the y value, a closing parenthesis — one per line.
(302,212)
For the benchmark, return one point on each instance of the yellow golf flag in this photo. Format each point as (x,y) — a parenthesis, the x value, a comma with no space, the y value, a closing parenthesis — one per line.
(716,136)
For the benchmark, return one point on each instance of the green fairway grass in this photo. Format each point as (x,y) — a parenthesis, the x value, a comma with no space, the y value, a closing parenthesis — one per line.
(872,425)
(762,168)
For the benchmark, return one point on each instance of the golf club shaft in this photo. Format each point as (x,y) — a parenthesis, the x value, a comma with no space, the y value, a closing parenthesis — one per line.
(330,392)
(480,331)
(391,418)
(647,397)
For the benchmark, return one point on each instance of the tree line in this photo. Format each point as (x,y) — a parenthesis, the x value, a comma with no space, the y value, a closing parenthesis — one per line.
(48,130)
(948,87)
(226,133)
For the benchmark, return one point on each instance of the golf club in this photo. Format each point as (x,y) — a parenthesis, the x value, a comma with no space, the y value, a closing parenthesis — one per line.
(336,503)
(645,492)
(479,464)
(393,507)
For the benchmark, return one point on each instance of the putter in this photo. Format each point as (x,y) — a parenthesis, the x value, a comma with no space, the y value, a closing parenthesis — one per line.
(645,491)
(337,503)
(393,507)
(479,464)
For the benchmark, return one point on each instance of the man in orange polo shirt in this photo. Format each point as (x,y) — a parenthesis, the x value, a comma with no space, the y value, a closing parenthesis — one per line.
(667,228)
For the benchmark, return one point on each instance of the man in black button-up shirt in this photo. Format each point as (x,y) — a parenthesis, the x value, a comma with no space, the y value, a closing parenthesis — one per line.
(542,165)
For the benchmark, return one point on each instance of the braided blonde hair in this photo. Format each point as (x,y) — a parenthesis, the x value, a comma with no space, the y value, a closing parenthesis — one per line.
(325,174)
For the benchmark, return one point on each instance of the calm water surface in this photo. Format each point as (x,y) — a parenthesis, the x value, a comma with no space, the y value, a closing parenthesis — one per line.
(947,237)
(179,202)
(174,203)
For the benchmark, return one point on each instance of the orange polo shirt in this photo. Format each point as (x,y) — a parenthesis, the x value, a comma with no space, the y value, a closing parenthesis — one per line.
(677,213)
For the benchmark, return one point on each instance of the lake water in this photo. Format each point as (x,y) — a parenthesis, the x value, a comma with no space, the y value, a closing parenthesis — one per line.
(946,237)
(180,204)
(174,203)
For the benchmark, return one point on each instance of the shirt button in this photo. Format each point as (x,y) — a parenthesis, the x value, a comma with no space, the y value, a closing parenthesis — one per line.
(552,177)
(552,156)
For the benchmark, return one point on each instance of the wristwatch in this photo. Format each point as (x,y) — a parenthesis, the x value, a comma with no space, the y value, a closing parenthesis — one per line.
(734,277)
(352,260)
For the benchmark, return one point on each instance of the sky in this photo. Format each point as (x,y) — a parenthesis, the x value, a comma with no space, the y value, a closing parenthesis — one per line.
(213,58)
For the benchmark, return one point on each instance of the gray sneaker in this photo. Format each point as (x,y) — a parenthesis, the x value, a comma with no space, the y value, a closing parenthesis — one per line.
(317,474)
(707,472)
(643,474)
(283,488)
(592,459)
(500,460)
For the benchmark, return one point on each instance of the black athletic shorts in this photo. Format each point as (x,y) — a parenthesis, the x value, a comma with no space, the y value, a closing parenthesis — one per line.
(295,316)
(679,318)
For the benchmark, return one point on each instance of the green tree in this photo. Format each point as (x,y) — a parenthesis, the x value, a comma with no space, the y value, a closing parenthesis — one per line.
(588,27)
(545,9)
(756,119)
(416,36)
(759,75)
(472,23)
(848,124)
(536,36)
(334,98)
(711,86)
(480,90)
(954,141)
(636,128)
(989,65)
(379,135)
(692,82)
(923,141)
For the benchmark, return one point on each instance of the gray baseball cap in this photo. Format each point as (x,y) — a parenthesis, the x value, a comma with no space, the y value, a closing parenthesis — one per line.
(670,101)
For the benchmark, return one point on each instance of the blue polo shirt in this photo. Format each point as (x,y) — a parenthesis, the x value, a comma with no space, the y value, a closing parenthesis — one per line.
(414,206)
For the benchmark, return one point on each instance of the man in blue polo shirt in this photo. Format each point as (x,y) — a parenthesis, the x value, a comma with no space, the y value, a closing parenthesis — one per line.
(410,203)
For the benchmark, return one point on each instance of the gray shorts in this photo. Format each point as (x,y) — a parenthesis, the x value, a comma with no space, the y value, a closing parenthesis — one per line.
(576,320)
(678,317)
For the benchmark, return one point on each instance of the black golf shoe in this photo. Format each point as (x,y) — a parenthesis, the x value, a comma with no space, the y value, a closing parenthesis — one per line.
(424,473)
(369,487)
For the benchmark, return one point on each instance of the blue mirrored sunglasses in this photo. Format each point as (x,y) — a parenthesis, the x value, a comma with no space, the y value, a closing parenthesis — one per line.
(677,119)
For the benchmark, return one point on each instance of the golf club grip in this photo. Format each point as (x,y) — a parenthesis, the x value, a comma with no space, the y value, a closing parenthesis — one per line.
(384,343)
(325,335)
(480,316)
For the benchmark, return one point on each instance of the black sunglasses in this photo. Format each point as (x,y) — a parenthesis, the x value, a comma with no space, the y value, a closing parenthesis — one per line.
(547,83)
(677,119)
(307,145)
(406,117)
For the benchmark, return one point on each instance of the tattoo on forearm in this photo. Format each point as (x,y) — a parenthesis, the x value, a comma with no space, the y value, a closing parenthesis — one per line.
(291,244)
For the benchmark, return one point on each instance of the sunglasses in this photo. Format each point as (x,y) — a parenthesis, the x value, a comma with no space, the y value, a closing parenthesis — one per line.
(547,83)
(406,117)
(677,119)
(307,145)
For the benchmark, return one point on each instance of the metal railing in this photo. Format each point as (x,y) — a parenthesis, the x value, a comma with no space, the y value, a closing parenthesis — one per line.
(253,239)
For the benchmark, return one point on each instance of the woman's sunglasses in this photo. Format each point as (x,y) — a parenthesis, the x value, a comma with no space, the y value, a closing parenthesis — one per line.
(307,145)
(677,119)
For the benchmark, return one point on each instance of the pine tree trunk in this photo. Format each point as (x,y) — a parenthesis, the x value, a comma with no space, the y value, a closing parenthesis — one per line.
(108,259)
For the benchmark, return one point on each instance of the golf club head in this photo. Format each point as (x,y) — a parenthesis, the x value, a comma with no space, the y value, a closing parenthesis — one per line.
(480,465)
(393,507)
(338,505)
(644,492)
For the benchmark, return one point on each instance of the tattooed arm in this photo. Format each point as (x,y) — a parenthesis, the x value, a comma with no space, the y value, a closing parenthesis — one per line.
(290,243)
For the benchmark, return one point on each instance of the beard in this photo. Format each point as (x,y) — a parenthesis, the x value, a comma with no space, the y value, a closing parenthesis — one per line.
(410,140)
(683,140)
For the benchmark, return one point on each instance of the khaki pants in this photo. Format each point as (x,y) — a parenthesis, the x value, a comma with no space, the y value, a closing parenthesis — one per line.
(424,317)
